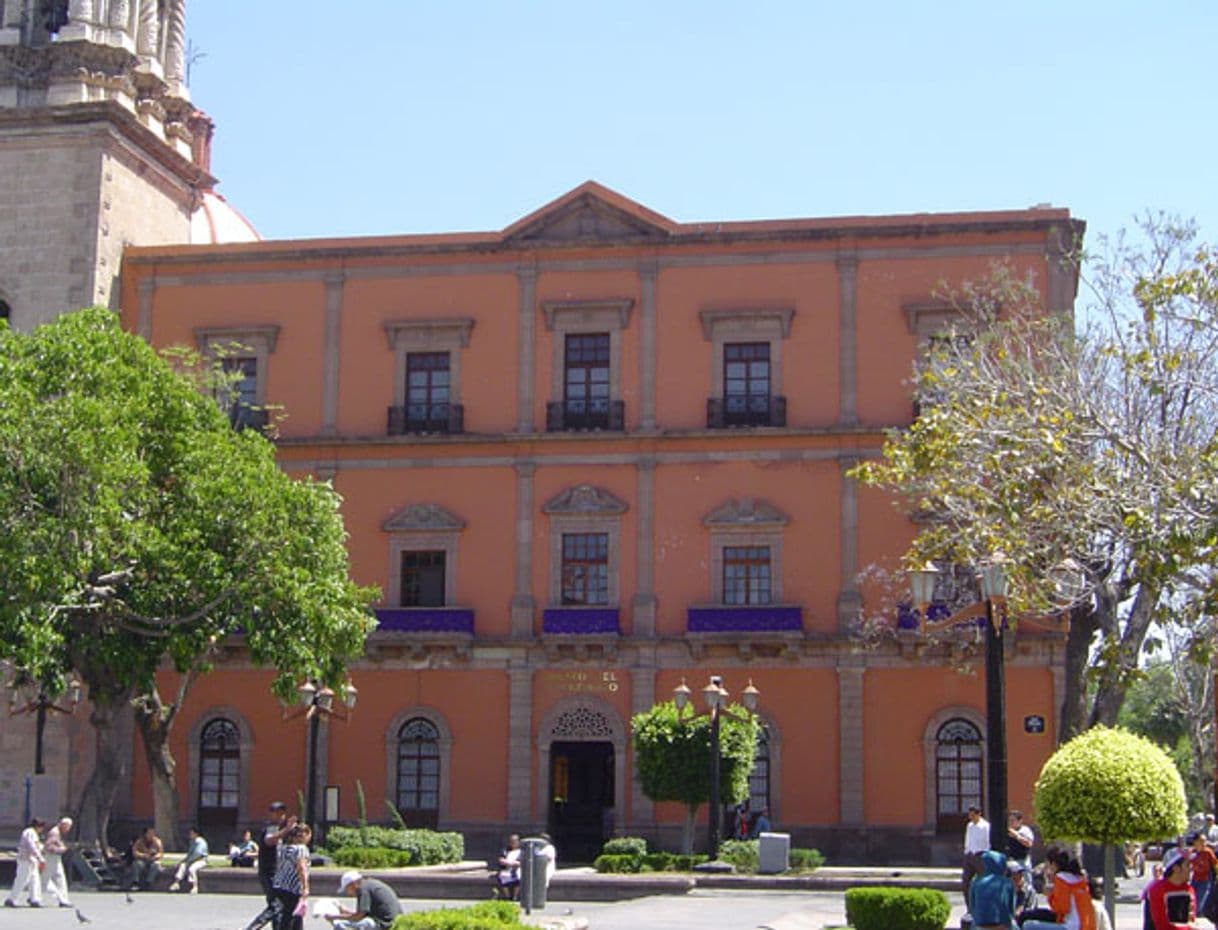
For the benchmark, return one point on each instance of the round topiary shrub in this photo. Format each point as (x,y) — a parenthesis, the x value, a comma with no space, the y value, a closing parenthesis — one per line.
(1109,786)
(896,909)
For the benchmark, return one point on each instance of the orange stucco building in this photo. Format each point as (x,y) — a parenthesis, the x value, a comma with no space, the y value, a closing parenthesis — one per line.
(585,458)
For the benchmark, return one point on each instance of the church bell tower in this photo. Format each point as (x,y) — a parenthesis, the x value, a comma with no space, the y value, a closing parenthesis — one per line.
(100,147)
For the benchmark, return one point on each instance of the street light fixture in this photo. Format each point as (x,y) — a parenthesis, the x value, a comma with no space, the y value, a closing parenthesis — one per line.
(316,703)
(29,697)
(715,696)
(993,584)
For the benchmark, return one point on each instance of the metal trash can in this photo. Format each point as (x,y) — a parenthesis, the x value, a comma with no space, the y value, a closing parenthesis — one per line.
(773,853)
(532,874)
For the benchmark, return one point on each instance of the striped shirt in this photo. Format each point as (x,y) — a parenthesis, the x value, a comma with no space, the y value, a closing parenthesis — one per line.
(287,878)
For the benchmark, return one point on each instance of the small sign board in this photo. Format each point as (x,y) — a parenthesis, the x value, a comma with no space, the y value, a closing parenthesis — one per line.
(1034,723)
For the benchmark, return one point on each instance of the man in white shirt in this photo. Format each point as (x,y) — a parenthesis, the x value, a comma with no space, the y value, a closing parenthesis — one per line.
(1019,839)
(976,841)
(30,863)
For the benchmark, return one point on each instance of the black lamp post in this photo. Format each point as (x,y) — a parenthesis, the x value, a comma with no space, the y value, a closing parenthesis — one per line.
(316,703)
(993,599)
(715,696)
(26,698)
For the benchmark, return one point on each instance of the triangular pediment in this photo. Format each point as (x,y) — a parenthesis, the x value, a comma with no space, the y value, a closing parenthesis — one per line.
(423,517)
(746,511)
(584,499)
(590,214)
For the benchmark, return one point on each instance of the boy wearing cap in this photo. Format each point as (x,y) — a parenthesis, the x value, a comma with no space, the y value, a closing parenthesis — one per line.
(1169,902)
(376,904)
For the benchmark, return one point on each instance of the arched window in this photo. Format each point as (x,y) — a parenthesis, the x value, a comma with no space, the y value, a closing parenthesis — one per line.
(958,763)
(418,793)
(759,778)
(219,774)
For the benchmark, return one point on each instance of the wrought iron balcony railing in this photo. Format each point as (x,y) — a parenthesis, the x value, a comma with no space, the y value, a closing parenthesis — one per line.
(585,414)
(426,418)
(746,410)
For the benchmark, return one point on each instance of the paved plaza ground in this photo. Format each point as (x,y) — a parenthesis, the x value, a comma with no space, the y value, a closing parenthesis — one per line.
(718,909)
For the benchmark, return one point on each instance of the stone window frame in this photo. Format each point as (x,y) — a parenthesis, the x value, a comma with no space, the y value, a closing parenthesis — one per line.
(422,528)
(585,509)
(616,734)
(195,756)
(429,335)
(761,324)
(774,773)
(563,317)
(258,341)
(746,522)
(445,744)
(930,747)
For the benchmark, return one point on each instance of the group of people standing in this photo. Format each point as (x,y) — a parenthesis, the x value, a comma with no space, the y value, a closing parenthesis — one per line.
(40,854)
(998,885)
(283,871)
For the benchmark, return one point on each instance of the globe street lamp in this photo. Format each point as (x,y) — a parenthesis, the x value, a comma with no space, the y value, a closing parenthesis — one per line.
(316,703)
(714,695)
(993,584)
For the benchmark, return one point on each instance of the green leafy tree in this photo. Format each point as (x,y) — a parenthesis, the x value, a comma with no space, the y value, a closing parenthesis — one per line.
(1094,450)
(141,532)
(1109,786)
(673,757)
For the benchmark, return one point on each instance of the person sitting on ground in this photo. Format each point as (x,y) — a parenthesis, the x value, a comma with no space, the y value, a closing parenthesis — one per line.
(1068,895)
(195,861)
(762,823)
(991,895)
(146,854)
(376,904)
(1168,903)
(1025,890)
(506,880)
(245,853)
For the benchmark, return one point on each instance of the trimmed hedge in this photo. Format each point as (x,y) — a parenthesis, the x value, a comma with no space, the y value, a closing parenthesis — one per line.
(740,853)
(896,909)
(625,846)
(488,915)
(805,860)
(421,847)
(650,862)
(372,857)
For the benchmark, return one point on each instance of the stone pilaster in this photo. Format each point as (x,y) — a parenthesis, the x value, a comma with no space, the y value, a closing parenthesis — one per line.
(1061,275)
(330,354)
(526,286)
(647,346)
(520,742)
(849,598)
(642,697)
(850,744)
(522,599)
(644,605)
(847,344)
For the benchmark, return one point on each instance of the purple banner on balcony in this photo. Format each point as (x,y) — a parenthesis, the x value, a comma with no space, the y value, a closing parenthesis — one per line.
(579,620)
(907,617)
(425,619)
(745,619)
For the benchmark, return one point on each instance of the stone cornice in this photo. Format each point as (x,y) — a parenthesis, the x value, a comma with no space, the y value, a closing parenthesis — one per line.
(118,118)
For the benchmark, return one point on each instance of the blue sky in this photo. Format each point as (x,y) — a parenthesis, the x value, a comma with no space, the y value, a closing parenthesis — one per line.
(396,116)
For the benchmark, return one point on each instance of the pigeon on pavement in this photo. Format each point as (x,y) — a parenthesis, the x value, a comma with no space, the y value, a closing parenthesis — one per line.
(82,918)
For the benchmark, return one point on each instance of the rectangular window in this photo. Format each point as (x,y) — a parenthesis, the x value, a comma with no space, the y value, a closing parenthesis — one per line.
(586,380)
(585,569)
(746,384)
(746,575)
(242,375)
(423,579)
(427,391)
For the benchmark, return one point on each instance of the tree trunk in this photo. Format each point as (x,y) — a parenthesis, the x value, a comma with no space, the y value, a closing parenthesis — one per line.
(1114,678)
(154,721)
(687,829)
(113,758)
(1083,624)
(1110,882)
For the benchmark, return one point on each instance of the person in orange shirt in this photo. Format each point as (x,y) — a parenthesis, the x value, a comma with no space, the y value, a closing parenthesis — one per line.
(1069,896)
(1204,864)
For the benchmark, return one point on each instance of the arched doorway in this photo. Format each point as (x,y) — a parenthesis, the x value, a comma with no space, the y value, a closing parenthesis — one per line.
(418,773)
(959,758)
(583,757)
(219,780)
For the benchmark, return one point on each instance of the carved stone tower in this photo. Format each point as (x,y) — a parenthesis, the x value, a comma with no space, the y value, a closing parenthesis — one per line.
(100,147)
